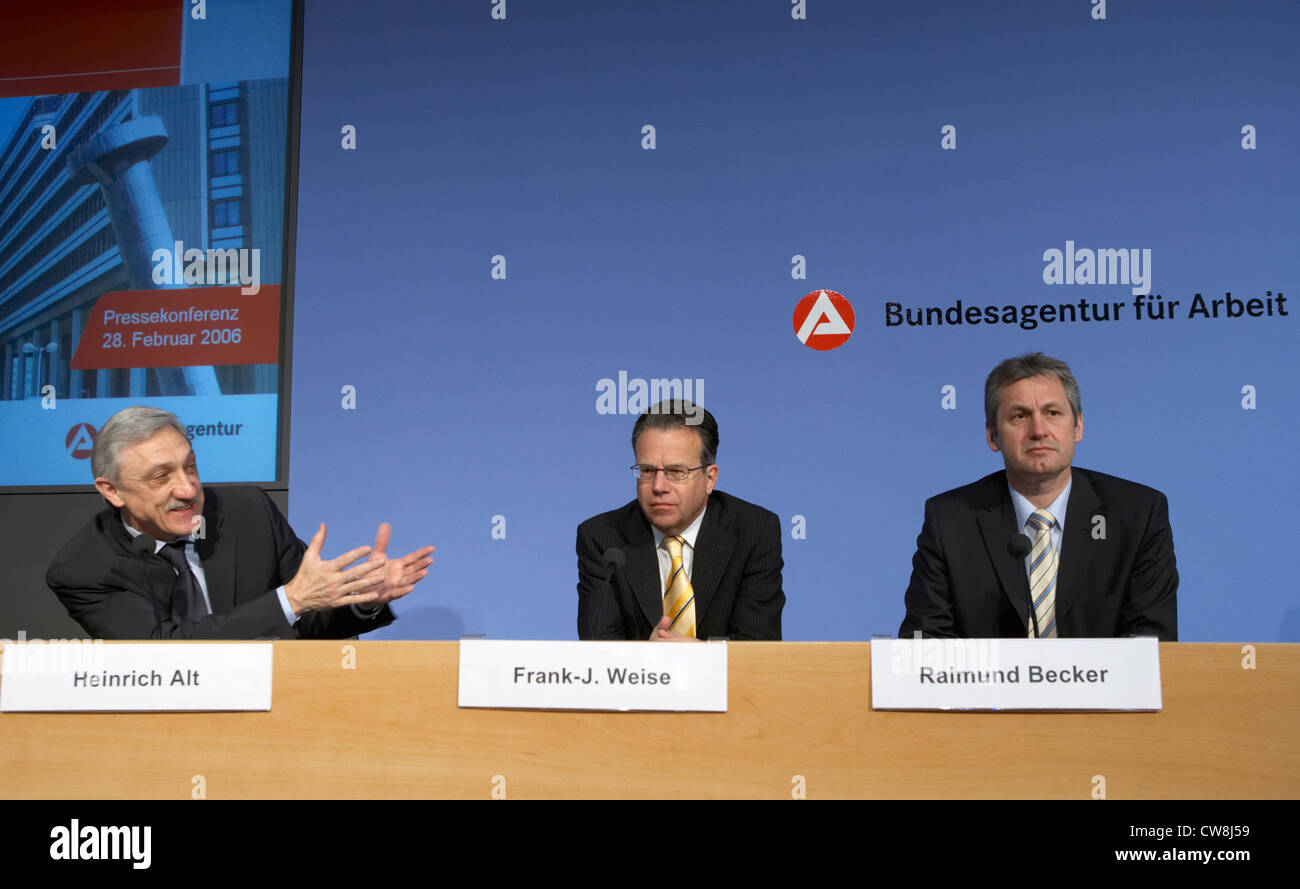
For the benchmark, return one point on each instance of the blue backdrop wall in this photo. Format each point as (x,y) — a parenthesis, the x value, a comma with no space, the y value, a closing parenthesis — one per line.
(503,204)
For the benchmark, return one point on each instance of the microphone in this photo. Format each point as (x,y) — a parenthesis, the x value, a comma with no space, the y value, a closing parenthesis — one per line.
(144,545)
(614,560)
(1020,546)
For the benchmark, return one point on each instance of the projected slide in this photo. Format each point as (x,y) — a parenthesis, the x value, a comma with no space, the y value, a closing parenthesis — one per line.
(142,218)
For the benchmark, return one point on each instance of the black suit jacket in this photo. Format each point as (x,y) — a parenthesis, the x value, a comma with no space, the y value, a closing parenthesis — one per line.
(966,583)
(248,550)
(736,574)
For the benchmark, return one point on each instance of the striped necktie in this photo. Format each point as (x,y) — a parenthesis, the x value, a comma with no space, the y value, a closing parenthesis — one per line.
(679,598)
(1042,575)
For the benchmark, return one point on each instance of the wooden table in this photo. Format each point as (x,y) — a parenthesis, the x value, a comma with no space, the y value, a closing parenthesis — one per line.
(799,719)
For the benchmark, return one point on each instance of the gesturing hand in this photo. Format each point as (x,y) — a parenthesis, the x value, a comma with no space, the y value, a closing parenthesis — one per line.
(320,585)
(400,575)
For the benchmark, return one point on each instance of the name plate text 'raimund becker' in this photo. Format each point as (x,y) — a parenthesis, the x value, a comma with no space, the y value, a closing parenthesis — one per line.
(1015,674)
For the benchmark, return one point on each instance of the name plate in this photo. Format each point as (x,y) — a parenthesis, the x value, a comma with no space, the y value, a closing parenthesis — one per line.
(78,676)
(593,675)
(1015,674)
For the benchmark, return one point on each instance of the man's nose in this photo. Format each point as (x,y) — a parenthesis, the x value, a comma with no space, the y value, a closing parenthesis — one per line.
(185,488)
(1037,426)
(661,484)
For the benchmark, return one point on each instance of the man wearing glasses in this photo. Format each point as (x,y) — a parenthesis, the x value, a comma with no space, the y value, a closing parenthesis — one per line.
(682,562)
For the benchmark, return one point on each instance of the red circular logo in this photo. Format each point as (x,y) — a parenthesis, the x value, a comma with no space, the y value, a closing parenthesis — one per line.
(823,320)
(80,441)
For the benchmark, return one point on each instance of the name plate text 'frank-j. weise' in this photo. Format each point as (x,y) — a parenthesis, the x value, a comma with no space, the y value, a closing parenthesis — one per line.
(592,675)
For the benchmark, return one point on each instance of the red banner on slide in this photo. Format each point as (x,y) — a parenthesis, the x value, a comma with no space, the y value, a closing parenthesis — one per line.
(80,46)
(183,327)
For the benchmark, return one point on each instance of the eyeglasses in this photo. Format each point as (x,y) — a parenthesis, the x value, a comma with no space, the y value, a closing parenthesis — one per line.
(672,473)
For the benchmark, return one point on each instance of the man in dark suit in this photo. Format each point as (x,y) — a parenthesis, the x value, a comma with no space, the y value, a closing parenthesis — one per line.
(1094,553)
(170,559)
(684,562)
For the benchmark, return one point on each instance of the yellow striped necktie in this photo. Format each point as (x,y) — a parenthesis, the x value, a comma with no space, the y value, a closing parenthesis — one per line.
(1042,575)
(679,598)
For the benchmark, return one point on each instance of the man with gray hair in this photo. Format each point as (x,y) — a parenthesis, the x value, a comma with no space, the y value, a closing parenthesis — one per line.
(170,559)
(1042,549)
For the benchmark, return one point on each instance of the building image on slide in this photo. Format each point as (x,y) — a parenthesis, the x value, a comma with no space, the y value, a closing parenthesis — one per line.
(91,184)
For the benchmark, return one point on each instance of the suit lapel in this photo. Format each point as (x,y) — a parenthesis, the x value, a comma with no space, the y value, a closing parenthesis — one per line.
(713,546)
(158,575)
(997,522)
(1076,546)
(219,558)
(642,571)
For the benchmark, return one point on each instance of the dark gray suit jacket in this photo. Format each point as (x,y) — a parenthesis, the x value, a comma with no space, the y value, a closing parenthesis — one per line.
(966,583)
(248,550)
(736,574)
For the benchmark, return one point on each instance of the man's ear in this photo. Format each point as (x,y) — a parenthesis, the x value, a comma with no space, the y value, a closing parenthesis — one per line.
(991,437)
(109,490)
(1078,428)
(712,475)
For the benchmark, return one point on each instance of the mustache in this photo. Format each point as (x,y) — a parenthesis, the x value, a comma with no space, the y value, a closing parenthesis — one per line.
(180,504)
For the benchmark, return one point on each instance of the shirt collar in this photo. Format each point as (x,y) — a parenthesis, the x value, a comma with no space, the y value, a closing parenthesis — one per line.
(157,544)
(1024,509)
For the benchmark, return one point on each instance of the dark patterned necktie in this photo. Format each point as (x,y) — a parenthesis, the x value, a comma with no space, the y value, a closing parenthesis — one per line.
(187,598)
